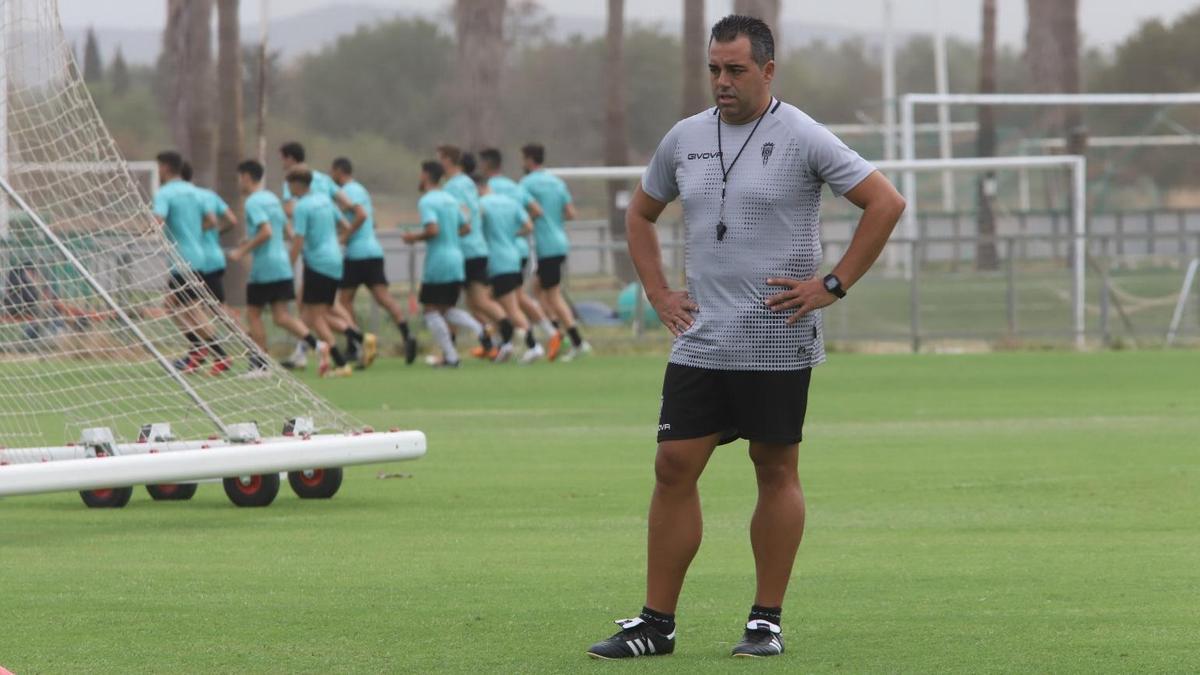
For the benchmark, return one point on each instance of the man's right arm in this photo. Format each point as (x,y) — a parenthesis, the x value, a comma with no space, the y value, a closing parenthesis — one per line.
(674,307)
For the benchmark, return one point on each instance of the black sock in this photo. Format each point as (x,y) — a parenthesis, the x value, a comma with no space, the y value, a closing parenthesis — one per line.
(485,341)
(216,347)
(576,338)
(336,356)
(506,331)
(310,340)
(194,339)
(257,362)
(663,623)
(353,338)
(529,341)
(403,326)
(556,326)
(772,614)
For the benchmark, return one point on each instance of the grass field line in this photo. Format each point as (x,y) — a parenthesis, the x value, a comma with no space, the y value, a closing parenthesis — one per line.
(1020,424)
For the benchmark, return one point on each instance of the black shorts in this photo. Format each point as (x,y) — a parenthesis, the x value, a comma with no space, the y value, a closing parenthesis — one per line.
(367,272)
(318,288)
(503,284)
(477,270)
(441,294)
(549,271)
(524,268)
(261,295)
(765,406)
(185,287)
(216,284)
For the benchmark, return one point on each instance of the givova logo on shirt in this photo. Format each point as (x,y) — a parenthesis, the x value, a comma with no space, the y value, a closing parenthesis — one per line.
(703,155)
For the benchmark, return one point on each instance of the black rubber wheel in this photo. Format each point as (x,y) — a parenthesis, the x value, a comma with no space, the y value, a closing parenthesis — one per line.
(315,483)
(107,498)
(172,492)
(252,490)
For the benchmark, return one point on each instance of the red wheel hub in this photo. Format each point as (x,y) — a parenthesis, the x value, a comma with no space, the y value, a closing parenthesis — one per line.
(102,494)
(312,478)
(249,486)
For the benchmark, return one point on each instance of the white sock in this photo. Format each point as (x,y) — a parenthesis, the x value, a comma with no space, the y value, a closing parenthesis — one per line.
(463,319)
(547,327)
(441,334)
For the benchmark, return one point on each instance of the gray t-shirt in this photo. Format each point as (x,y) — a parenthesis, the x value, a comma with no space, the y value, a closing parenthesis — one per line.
(772,216)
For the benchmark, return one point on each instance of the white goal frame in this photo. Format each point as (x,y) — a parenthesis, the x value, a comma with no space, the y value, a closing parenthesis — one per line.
(1076,164)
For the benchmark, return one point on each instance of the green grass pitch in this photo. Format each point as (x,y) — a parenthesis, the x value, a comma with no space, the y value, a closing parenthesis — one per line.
(1012,512)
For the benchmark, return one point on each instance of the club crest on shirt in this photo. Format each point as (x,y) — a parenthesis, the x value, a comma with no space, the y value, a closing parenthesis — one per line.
(767,149)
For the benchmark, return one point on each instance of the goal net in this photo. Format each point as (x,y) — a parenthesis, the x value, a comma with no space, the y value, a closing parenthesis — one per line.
(87,338)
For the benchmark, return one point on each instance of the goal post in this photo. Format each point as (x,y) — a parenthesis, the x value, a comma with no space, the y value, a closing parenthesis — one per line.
(105,328)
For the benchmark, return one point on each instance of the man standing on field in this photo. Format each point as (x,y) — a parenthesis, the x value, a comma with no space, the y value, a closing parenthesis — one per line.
(748,327)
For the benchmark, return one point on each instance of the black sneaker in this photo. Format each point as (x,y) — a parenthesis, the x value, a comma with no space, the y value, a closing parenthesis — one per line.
(762,638)
(410,351)
(637,638)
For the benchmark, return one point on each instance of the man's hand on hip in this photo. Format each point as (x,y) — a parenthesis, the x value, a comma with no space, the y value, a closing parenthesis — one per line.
(803,296)
(674,309)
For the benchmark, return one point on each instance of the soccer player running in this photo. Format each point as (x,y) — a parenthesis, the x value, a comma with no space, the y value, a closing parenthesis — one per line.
(218,219)
(364,260)
(179,208)
(270,283)
(292,157)
(505,221)
(459,184)
(314,224)
(442,224)
(747,327)
(498,183)
(550,238)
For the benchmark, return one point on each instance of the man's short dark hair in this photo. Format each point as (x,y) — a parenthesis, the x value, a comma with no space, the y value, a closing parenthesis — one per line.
(762,42)
(467,163)
(292,150)
(185,171)
(491,158)
(172,160)
(450,152)
(433,169)
(535,152)
(301,176)
(252,168)
(343,164)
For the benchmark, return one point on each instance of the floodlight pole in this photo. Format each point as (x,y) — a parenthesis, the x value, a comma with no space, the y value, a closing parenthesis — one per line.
(112,304)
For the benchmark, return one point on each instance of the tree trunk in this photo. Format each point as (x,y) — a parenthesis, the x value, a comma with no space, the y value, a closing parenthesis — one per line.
(985,251)
(767,10)
(616,132)
(230,137)
(695,58)
(479,25)
(187,46)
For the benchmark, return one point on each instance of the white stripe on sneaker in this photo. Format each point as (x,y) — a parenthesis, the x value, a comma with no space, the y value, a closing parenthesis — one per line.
(650,646)
(633,648)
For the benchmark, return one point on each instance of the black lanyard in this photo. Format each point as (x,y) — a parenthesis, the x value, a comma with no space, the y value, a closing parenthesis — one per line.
(725,172)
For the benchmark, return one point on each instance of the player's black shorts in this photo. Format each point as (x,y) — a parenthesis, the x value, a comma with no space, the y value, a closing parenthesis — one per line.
(367,272)
(185,287)
(549,271)
(441,294)
(503,284)
(318,289)
(765,406)
(477,270)
(261,295)
(216,284)
(524,268)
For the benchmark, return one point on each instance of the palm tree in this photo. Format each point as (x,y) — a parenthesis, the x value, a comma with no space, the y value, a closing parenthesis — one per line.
(479,25)
(616,131)
(187,53)
(985,251)
(1052,54)
(767,10)
(694,57)
(229,132)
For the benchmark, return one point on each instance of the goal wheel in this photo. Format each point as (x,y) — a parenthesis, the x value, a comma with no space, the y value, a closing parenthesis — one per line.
(171,492)
(106,498)
(315,483)
(257,490)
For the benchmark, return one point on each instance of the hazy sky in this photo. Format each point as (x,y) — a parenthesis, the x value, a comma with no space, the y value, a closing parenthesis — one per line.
(1104,22)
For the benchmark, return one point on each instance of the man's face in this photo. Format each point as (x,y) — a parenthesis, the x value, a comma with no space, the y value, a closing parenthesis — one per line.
(445,162)
(164,173)
(739,85)
(245,183)
(338,177)
(527,164)
(287,162)
(297,188)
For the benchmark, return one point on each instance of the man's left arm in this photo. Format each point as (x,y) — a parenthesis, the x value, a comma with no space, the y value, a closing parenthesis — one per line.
(882,206)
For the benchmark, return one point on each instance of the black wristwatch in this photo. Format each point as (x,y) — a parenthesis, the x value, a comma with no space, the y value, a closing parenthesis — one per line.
(834,285)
